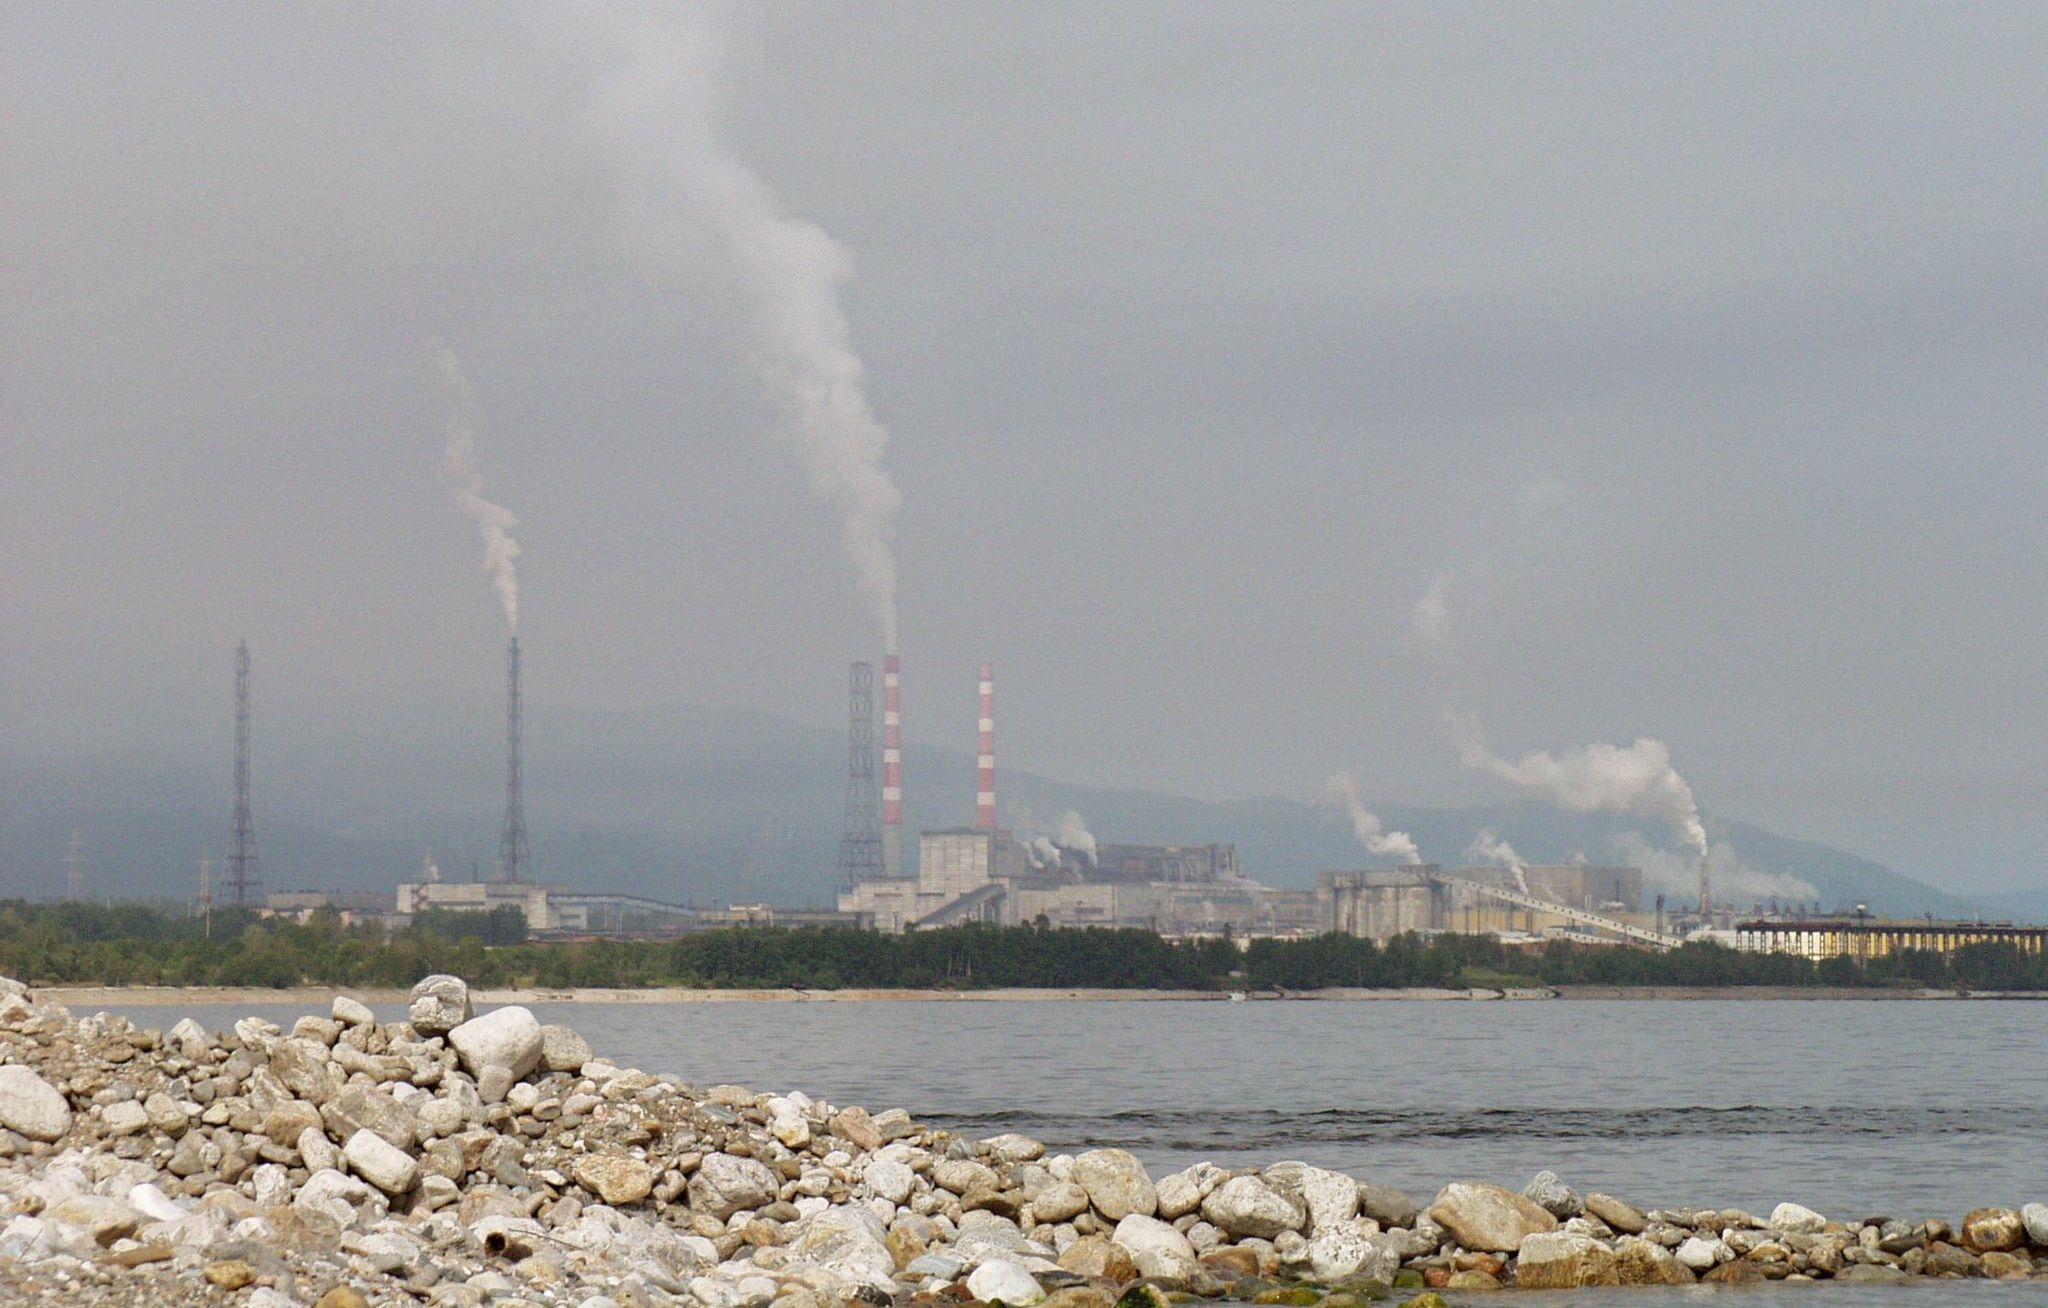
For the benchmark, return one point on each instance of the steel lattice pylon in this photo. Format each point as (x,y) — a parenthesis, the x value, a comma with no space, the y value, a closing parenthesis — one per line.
(244,875)
(860,848)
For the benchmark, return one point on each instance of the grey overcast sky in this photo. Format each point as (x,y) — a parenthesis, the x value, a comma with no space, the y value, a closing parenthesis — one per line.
(1690,355)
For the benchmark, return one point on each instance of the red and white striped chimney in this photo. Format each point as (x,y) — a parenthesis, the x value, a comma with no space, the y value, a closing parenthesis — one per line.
(985,797)
(892,767)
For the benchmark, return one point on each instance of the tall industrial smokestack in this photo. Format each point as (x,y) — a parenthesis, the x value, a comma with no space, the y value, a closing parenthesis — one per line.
(892,766)
(985,791)
(512,845)
(1706,899)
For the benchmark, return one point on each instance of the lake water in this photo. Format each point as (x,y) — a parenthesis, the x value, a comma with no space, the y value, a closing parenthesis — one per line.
(1853,1108)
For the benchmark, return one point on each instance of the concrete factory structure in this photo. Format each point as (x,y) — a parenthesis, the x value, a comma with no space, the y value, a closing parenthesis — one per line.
(1537,900)
(970,874)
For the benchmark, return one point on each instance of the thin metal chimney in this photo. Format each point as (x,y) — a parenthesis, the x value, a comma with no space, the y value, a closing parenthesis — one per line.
(985,792)
(892,766)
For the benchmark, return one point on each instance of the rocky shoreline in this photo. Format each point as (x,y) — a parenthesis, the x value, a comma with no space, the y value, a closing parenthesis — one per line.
(463,1160)
(152,996)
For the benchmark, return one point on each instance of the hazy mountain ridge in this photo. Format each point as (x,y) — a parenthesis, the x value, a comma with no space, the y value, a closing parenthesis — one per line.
(709,805)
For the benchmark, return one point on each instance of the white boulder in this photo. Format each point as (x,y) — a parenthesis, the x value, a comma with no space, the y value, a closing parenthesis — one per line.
(1155,1247)
(1000,1280)
(380,1162)
(506,1037)
(31,1105)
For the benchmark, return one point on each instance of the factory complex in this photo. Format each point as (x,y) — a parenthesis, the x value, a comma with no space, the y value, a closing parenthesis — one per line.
(986,873)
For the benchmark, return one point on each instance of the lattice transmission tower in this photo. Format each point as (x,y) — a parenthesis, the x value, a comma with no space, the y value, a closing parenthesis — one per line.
(243,874)
(860,848)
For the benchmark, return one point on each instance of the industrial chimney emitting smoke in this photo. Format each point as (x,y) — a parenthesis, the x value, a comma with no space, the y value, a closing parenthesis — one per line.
(985,791)
(512,854)
(892,766)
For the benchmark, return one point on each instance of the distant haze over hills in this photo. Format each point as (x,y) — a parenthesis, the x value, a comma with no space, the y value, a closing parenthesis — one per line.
(713,805)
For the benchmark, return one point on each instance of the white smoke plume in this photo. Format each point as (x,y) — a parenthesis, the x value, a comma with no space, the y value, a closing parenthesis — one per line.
(459,467)
(1735,882)
(1343,789)
(1597,778)
(1486,847)
(683,190)
(1074,835)
(1043,853)
(1433,612)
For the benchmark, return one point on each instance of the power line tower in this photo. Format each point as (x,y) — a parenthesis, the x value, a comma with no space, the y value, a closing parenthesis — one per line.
(74,868)
(860,848)
(244,876)
(512,852)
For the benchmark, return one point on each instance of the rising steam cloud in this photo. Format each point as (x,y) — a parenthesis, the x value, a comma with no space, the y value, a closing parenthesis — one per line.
(1371,832)
(1598,778)
(1734,880)
(459,467)
(1074,835)
(682,191)
(1487,847)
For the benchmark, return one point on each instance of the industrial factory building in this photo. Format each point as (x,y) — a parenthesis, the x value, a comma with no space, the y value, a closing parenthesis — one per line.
(1865,938)
(984,873)
(1534,900)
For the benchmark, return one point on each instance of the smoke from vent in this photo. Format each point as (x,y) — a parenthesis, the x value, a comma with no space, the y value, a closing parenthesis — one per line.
(1074,835)
(459,468)
(1597,778)
(1734,880)
(1343,789)
(681,188)
(1043,853)
(1486,847)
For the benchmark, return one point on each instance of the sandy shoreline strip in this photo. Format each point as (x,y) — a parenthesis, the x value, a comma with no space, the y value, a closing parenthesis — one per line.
(140,996)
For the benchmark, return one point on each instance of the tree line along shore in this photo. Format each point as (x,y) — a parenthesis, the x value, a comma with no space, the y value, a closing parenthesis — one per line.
(137,945)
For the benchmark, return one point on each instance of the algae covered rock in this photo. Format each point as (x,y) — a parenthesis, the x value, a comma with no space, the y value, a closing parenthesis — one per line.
(1564,1260)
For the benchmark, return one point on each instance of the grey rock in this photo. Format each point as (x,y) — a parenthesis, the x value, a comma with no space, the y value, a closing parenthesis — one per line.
(723,1185)
(1247,1206)
(440,1003)
(380,1162)
(562,1050)
(1553,1196)
(31,1105)
(1386,1205)
(1184,1191)
(1488,1218)
(1116,1183)
(1155,1247)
